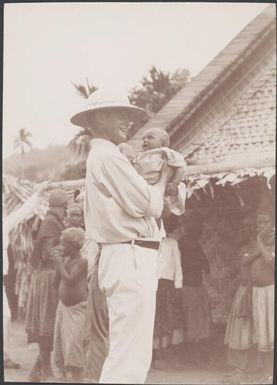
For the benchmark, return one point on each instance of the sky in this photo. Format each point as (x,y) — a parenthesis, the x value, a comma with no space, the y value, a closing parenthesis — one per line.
(49,45)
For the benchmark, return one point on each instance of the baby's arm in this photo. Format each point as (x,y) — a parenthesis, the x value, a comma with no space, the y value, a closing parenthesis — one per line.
(172,186)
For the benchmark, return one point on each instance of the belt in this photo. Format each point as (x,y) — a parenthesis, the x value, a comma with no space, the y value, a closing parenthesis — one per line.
(147,244)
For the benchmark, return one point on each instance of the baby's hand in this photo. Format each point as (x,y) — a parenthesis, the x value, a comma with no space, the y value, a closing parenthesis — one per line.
(171,189)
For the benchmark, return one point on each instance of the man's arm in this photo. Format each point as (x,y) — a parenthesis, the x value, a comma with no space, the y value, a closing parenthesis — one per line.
(129,189)
(28,207)
(13,219)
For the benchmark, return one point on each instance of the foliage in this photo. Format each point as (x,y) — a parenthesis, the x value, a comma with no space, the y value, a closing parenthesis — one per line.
(157,88)
(80,144)
(22,141)
(85,91)
(75,171)
(38,165)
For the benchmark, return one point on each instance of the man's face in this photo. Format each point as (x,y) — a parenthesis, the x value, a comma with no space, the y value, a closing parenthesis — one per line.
(151,140)
(115,125)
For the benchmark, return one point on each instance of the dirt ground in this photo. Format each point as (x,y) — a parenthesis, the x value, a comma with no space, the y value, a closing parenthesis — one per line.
(25,355)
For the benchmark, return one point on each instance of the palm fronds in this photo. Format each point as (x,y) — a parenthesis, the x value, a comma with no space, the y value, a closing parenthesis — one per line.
(85,91)
(157,88)
(80,144)
(22,140)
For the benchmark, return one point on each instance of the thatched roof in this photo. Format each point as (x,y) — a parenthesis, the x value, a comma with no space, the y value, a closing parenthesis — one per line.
(224,119)
(15,192)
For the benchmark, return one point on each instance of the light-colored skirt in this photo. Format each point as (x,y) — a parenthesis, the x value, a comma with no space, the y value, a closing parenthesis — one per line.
(238,333)
(197,312)
(69,335)
(263,317)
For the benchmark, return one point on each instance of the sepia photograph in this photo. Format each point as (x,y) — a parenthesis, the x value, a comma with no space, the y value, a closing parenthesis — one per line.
(138,192)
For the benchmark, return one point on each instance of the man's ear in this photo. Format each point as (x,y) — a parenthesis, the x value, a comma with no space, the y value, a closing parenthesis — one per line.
(100,117)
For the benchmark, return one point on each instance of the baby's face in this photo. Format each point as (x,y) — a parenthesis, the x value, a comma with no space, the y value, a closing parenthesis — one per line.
(151,140)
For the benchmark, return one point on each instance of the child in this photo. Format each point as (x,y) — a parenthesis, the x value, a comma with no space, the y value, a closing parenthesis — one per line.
(71,279)
(75,216)
(151,161)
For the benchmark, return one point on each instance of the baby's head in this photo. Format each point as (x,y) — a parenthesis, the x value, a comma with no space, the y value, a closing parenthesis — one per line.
(154,138)
(72,240)
(128,151)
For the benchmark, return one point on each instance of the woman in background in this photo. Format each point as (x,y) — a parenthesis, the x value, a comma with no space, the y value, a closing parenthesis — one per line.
(43,298)
(9,223)
(239,330)
(195,299)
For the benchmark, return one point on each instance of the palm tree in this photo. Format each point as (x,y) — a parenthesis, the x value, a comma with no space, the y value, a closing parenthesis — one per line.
(157,88)
(22,140)
(85,91)
(80,144)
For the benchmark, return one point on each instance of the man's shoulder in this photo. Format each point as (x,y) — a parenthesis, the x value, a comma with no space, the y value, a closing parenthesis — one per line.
(102,152)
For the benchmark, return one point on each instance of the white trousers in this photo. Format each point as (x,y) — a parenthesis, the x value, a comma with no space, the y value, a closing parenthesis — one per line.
(128,275)
(6,325)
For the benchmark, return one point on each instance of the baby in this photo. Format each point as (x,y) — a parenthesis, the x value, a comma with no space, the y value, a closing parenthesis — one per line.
(150,162)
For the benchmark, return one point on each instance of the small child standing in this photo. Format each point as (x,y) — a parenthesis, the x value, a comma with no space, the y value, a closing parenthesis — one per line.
(70,325)
(150,162)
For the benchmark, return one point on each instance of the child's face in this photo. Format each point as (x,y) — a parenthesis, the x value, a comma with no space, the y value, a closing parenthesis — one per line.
(67,247)
(74,217)
(151,140)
